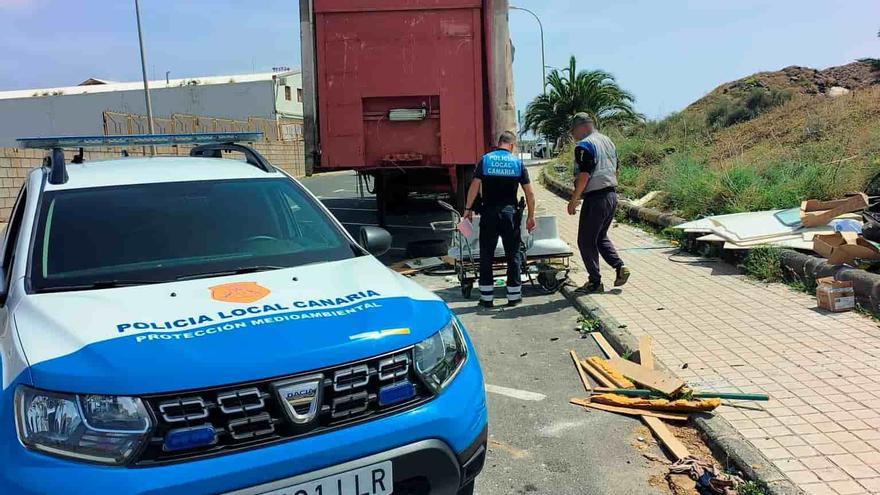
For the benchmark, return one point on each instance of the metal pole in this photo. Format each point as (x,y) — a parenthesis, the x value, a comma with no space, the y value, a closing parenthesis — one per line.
(543,58)
(152,130)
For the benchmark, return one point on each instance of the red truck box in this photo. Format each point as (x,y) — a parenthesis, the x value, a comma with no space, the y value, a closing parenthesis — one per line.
(410,92)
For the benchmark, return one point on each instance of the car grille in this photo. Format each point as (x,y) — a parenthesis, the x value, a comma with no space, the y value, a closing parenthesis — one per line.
(252,415)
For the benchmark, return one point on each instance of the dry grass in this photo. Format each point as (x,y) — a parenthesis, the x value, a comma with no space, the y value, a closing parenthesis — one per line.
(809,147)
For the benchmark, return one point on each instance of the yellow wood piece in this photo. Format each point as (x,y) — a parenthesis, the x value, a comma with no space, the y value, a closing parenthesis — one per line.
(609,371)
(701,405)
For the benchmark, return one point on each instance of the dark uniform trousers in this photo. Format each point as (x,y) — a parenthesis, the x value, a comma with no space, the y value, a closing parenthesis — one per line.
(597,213)
(503,221)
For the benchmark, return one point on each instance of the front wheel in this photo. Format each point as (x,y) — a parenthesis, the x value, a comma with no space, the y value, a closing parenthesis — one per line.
(467,489)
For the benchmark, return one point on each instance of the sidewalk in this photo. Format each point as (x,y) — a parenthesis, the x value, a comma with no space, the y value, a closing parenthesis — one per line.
(719,331)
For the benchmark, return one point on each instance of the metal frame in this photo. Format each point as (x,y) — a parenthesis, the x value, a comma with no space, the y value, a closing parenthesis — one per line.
(538,269)
(212,144)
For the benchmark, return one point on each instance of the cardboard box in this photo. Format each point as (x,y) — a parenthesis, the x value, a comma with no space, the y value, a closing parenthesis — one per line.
(835,295)
(844,248)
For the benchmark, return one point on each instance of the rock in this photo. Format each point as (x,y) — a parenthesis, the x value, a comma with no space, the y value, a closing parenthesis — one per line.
(836,91)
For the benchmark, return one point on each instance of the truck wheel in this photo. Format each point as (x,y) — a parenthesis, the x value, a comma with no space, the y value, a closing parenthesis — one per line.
(463,177)
(381,189)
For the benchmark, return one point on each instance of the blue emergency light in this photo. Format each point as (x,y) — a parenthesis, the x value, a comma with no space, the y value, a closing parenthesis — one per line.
(189,438)
(207,144)
(396,393)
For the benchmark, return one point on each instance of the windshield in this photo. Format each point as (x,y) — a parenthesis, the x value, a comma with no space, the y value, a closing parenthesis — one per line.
(149,233)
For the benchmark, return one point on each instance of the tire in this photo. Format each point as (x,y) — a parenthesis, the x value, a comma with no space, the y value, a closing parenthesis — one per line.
(381,188)
(549,281)
(467,490)
(466,290)
(463,177)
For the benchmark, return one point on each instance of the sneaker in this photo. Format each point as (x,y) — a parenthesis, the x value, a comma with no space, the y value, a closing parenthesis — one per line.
(591,288)
(486,304)
(622,276)
(514,303)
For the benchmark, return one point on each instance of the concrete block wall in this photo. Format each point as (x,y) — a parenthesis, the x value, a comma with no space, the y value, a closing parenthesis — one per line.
(15,163)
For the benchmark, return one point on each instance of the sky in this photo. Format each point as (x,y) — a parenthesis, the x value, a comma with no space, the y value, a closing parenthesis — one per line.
(667,53)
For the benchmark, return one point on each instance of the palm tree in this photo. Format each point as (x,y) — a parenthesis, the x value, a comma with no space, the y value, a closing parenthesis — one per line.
(569,92)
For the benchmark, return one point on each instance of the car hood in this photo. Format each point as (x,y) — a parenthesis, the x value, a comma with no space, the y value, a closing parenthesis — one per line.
(210,332)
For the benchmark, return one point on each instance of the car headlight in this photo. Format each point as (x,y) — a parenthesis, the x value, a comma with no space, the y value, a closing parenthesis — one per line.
(439,357)
(96,428)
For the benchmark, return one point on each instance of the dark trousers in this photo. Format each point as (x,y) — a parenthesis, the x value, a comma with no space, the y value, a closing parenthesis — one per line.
(505,222)
(597,213)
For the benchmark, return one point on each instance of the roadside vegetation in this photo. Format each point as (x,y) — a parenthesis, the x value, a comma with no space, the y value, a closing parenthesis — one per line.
(753,144)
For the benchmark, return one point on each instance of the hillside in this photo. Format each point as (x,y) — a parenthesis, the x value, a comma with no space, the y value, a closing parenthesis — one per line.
(764,141)
(796,79)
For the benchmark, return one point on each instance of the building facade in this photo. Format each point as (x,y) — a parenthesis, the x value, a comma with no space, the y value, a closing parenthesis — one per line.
(83,109)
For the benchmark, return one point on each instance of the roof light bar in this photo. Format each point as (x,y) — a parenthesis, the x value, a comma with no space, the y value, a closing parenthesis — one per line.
(48,143)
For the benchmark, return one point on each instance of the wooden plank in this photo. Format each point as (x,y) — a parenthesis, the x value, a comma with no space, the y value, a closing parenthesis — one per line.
(610,373)
(646,356)
(630,411)
(604,345)
(672,444)
(584,380)
(655,380)
(597,374)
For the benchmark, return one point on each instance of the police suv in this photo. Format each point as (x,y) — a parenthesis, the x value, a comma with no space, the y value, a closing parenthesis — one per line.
(202,325)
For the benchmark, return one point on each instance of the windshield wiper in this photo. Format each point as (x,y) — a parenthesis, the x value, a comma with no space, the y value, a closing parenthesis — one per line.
(237,271)
(102,284)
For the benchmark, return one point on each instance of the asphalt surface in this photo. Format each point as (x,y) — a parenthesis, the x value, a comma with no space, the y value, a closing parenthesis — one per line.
(539,443)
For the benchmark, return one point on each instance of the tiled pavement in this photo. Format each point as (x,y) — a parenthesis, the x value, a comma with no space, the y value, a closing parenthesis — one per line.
(721,331)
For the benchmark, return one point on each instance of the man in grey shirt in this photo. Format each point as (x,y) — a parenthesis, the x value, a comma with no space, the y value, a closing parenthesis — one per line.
(595,160)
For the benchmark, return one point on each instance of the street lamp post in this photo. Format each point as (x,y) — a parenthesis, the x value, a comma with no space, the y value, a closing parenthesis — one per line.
(152,130)
(543,62)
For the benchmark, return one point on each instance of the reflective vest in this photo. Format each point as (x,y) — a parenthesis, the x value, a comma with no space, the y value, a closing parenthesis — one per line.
(605,155)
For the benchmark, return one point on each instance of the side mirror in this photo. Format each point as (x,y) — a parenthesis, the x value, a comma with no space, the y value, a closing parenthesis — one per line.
(376,240)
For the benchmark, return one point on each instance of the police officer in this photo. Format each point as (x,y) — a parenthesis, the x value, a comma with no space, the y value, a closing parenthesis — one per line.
(596,167)
(500,173)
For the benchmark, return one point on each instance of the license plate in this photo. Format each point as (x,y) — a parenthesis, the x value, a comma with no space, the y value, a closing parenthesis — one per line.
(371,480)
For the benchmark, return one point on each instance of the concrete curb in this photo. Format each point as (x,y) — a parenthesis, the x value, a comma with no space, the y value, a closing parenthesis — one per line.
(722,438)
(631,210)
(795,265)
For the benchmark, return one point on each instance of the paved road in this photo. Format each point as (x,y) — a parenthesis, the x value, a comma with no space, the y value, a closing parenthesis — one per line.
(539,443)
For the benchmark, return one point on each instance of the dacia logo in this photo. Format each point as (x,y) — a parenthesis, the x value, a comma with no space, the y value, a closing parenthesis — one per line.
(301,397)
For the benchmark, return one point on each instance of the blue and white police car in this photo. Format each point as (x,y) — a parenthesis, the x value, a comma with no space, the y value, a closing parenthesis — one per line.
(203,325)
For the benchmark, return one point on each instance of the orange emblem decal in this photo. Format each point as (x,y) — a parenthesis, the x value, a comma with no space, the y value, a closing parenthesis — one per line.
(239,292)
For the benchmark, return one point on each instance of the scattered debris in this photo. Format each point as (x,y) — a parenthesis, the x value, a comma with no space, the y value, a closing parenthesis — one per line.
(844,248)
(660,396)
(815,213)
(680,405)
(708,476)
(835,295)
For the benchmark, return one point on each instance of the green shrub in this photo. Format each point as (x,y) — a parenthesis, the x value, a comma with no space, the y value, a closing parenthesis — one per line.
(731,111)
(764,264)
(639,152)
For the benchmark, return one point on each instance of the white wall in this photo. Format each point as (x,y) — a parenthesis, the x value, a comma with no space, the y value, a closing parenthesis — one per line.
(82,114)
(294,107)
